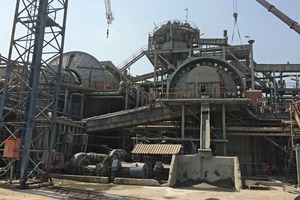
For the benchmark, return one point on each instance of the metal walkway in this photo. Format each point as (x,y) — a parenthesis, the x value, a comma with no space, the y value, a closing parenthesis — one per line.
(164,109)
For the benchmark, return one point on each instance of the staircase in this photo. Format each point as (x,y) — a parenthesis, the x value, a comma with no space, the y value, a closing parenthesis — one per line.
(291,172)
(132,59)
(293,157)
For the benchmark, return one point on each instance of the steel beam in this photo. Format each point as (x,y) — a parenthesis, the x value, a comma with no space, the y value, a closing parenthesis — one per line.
(277,67)
(180,139)
(283,134)
(212,41)
(212,101)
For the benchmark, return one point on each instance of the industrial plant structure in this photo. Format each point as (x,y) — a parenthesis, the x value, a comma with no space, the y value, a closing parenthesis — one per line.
(206,103)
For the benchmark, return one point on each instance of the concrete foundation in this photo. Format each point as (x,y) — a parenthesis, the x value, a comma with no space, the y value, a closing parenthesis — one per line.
(133,181)
(83,178)
(217,170)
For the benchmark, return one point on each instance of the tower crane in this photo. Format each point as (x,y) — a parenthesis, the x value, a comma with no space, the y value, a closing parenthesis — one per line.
(109,15)
(30,93)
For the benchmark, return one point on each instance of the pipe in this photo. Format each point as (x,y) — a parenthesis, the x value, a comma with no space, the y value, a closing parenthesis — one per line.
(254,129)
(108,97)
(122,86)
(4,170)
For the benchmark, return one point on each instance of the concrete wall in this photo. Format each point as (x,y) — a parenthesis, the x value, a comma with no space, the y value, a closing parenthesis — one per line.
(220,171)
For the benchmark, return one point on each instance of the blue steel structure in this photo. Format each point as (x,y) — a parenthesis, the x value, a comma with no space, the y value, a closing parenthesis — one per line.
(31,88)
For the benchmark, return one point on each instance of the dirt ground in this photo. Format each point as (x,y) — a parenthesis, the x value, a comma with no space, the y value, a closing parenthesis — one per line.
(64,189)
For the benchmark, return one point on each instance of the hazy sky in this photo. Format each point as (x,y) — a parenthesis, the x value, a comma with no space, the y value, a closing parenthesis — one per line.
(275,42)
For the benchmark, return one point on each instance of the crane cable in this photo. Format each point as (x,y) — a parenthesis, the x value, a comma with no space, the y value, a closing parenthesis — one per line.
(235,16)
(107,31)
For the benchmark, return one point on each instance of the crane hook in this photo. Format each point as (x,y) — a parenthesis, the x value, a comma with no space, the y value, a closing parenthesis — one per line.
(235,15)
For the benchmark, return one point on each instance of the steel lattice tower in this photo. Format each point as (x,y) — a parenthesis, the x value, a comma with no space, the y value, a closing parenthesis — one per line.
(31,89)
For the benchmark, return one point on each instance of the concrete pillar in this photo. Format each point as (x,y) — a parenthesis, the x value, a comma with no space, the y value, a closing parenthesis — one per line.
(207,133)
(204,127)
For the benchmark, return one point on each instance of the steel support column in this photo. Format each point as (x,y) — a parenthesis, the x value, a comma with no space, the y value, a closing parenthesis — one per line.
(275,92)
(297,149)
(33,84)
(182,121)
(155,69)
(224,129)
(252,64)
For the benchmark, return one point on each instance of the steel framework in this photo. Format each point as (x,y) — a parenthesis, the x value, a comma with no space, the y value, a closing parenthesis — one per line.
(31,89)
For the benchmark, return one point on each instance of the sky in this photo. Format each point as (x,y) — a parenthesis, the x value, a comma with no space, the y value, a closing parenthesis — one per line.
(275,42)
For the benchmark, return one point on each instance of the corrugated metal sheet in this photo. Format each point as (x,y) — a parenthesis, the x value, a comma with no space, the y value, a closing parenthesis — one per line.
(156,149)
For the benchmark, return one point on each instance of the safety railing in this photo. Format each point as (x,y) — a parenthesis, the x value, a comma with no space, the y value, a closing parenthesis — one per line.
(132,59)
(204,91)
(175,21)
(101,85)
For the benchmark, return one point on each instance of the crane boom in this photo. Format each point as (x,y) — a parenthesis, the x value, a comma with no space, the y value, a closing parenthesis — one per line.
(271,8)
(108,13)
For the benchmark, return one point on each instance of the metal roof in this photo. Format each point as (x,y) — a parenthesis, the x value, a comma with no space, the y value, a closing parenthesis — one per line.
(156,149)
